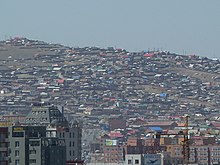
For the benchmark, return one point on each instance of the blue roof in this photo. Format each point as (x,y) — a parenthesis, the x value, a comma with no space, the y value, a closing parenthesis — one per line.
(163,95)
(156,128)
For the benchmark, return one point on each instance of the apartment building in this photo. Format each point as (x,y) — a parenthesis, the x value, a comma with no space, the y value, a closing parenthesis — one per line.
(57,126)
(4,142)
(29,145)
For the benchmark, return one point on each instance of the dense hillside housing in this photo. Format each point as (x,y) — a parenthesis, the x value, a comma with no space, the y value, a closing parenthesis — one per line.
(116,94)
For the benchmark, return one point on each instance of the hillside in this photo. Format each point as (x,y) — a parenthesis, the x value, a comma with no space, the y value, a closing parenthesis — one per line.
(107,81)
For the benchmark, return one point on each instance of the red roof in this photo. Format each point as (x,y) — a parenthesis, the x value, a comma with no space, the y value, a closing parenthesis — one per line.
(148,54)
(115,134)
(132,131)
(60,81)
(215,124)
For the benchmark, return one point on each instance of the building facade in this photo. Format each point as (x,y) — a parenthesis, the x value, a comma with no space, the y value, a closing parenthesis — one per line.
(4,142)
(72,137)
(133,159)
(57,126)
(29,145)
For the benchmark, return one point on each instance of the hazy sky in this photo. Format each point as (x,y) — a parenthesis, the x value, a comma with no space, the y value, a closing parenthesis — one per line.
(182,26)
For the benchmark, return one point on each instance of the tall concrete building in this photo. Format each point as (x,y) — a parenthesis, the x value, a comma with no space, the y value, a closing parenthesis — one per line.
(57,126)
(29,145)
(4,142)
(71,135)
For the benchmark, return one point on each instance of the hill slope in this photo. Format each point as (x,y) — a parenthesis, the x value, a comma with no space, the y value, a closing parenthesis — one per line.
(101,81)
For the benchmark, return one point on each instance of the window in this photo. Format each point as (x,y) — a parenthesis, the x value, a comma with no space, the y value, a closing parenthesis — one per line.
(70,144)
(73,134)
(34,143)
(16,153)
(129,161)
(32,151)
(73,144)
(16,143)
(70,134)
(16,162)
(32,161)
(63,135)
(70,153)
(136,161)
(73,152)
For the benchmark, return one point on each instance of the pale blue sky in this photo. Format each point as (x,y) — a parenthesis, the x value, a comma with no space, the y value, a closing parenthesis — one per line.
(190,26)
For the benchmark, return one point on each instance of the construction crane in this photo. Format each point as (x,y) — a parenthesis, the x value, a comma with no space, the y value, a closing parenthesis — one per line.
(186,147)
(185,142)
